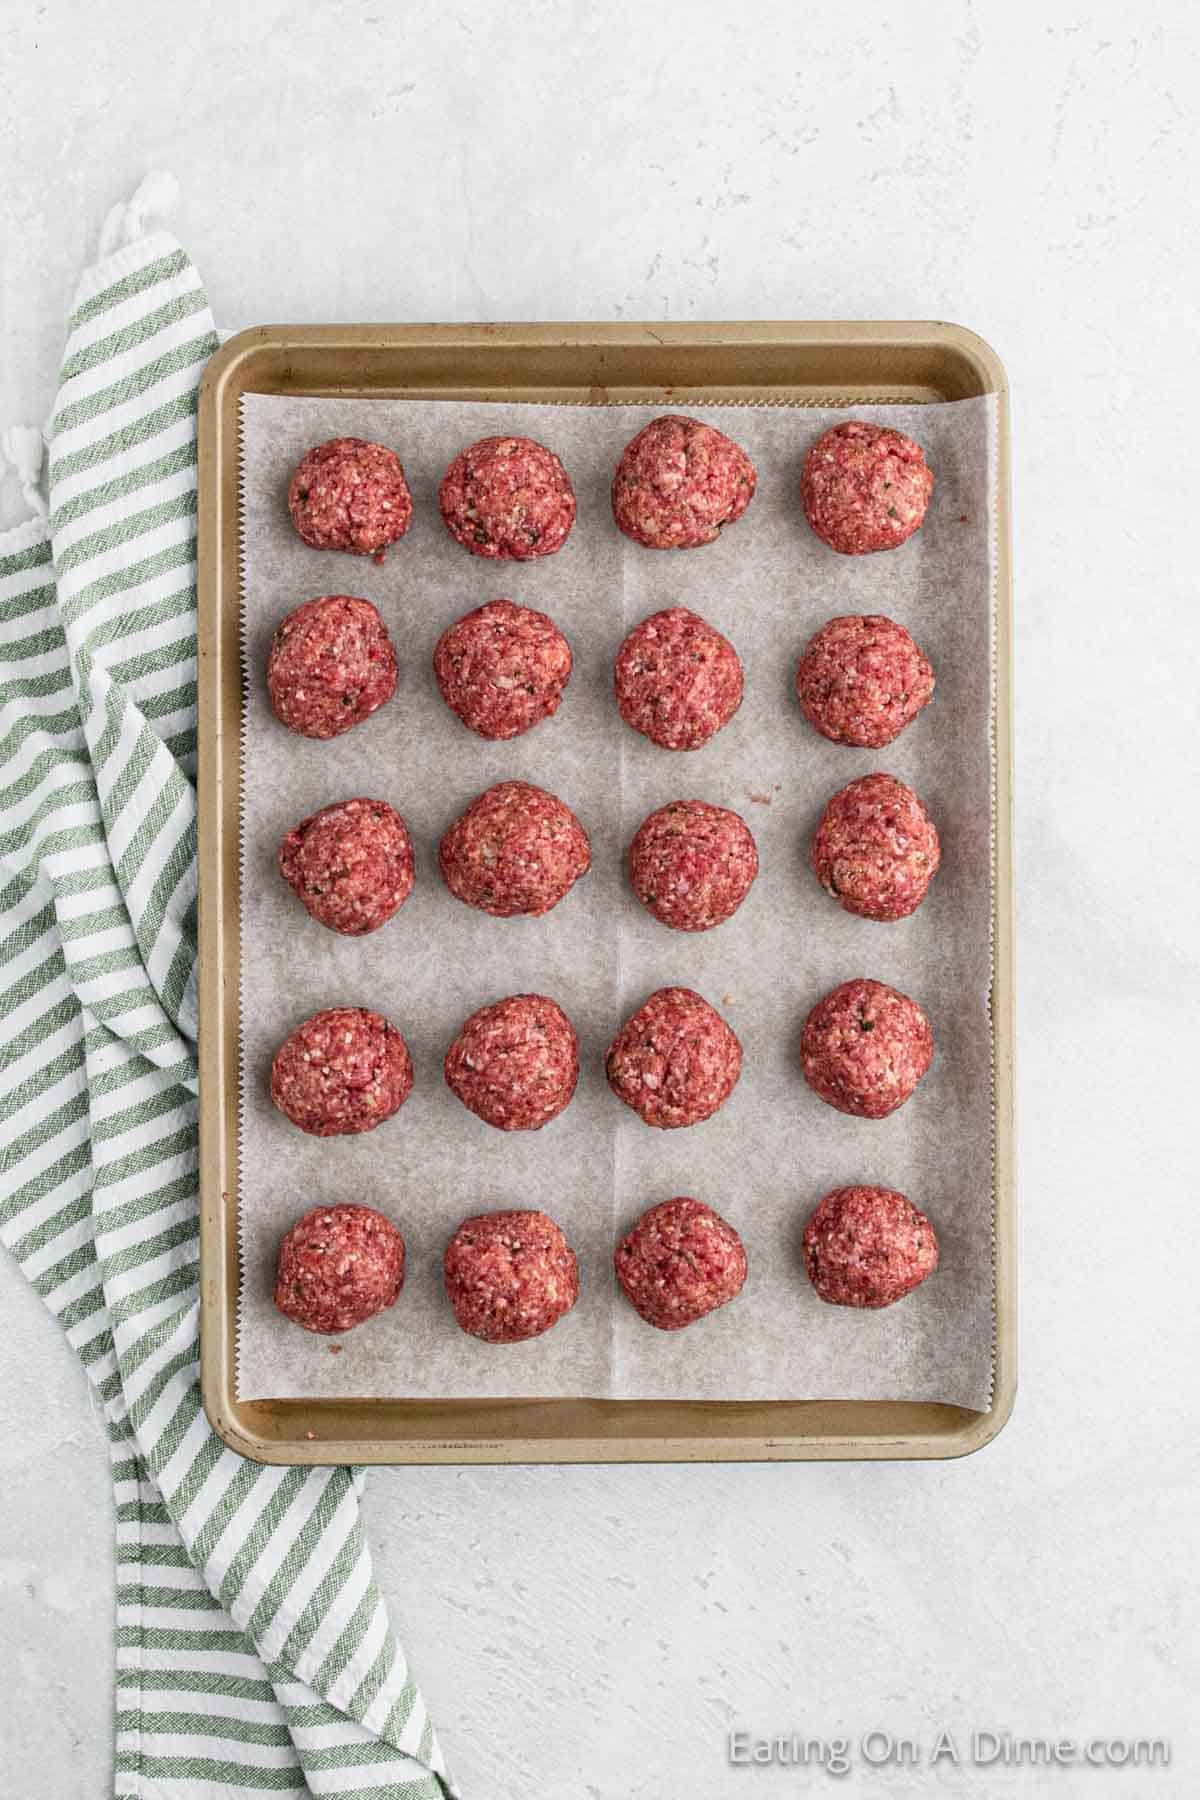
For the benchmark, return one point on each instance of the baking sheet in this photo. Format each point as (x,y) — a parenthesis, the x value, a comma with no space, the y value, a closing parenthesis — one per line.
(771,1152)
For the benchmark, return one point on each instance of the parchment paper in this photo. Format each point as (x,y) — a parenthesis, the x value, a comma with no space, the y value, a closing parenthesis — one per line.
(767,1157)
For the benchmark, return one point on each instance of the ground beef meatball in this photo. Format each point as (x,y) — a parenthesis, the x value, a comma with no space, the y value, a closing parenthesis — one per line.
(508,497)
(868,1246)
(510,1276)
(515,1064)
(876,849)
(692,864)
(516,849)
(678,681)
(351,864)
(350,495)
(502,668)
(339,1265)
(864,1048)
(675,1061)
(680,1261)
(678,482)
(343,1070)
(332,665)
(865,487)
(862,679)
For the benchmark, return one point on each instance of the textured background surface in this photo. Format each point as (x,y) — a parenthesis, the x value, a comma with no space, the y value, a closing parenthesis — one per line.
(593,1634)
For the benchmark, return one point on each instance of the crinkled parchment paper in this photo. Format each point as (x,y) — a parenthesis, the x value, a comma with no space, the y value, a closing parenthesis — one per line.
(774,1149)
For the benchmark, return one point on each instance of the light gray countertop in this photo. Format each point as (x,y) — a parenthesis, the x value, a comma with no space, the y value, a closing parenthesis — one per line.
(1030,171)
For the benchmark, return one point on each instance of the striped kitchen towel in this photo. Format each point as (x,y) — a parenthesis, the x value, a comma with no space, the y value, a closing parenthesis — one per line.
(253,1648)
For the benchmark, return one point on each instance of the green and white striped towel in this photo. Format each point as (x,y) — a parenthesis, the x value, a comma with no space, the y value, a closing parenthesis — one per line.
(253,1648)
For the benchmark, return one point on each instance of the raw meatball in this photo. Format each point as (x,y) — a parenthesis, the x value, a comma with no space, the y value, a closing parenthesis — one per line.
(515,1064)
(678,681)
(862,679)
(868,1246)
(332,665)
(864,1048)
(865,487)
(678,482)
(343,1070)
(351,864)
(350,495)
(675,1061)
(510,1275)
(339,1265)
(876,849)
(516,849)
(692,864)
(502,668)
(508,497)
(680,1261)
